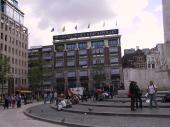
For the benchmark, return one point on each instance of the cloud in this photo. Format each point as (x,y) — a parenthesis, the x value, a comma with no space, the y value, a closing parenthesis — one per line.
(138,26)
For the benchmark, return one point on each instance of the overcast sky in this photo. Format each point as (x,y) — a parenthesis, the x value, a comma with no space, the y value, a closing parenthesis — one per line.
(139,21)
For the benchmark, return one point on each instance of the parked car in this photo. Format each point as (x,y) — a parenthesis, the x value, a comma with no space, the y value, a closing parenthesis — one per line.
(166,98)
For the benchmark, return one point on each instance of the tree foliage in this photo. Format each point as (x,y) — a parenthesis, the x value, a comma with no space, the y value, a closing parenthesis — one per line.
(98,74)
(4,71)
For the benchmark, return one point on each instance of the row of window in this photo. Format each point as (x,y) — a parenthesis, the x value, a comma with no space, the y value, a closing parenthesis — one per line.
(20,81)
(14,31)
(18,62)
(18,71)
(83,45)
(85,62)
(12,50)
(13,41)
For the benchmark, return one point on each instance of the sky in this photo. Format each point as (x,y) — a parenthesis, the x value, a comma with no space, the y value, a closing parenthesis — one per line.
(140,22)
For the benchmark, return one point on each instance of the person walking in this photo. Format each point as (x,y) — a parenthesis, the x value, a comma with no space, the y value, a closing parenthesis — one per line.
(152,91)
(6,102)
(132,95)
(138,96)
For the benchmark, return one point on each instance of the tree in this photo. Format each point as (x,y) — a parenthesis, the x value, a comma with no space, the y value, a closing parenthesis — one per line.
(35,75)
(98,74)
(4,72)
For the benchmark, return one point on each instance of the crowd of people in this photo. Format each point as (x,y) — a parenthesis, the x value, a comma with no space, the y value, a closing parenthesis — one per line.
(135,93)
(14,101)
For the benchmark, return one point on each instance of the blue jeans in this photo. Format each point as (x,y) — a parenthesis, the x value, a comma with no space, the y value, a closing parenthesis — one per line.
(152,97)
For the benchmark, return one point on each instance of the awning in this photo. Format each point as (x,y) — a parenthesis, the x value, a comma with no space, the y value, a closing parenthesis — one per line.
(24,91)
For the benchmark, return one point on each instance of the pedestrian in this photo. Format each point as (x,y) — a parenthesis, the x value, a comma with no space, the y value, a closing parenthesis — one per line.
(45,98)
(152,91)
(13,101)
(56,97)
(25,99)
(6,102)
(132,95)
(18,98)
(138,96)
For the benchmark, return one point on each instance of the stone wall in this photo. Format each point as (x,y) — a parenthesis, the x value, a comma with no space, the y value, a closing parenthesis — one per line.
(143,76)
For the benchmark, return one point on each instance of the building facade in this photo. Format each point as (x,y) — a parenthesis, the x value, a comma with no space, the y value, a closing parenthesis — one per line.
(135,60)
(41,63)
(77,54)
(166,19)
(14,44)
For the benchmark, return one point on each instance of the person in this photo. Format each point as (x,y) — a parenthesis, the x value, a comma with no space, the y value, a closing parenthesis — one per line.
(152,90)
(56,97)
(25,99)
(84,97)
(13,101)
(132,95)
(138,96)
(6,102)
(45,98)
(18,98)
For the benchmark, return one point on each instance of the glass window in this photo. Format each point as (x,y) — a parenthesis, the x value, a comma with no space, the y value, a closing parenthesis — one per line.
(71,46)
(9,11)
(59,48)
(82,45)
(16,16)
(97,44)
(113,42)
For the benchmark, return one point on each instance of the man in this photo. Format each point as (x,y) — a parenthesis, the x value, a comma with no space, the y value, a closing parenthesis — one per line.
(152,90)
(132,95)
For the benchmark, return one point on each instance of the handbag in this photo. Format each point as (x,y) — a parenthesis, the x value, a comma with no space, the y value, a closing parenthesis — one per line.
(129,94)
(148,100)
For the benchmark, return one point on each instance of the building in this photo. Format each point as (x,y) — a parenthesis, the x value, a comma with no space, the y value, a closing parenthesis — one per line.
(129,51)
(166,19)
(152,58)
(41,63)
(14,44)
(77,54)
(135,60)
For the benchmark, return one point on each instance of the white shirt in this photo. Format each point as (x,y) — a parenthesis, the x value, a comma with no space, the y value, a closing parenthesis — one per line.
(152,89)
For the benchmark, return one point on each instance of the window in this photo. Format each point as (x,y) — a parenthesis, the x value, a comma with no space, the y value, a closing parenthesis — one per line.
(5,47)
(59,48)
(2,36)
(5,37)
(6,27)
(98,44)
(1,47)
(71,46)
(2,25)
(82,45)
(113,42)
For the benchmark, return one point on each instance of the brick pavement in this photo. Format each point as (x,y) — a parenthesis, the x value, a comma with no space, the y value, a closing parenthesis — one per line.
(45,111)
(16,118)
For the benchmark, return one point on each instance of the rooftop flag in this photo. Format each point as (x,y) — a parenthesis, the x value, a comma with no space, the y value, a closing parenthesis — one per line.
(76,27)
(88,26)
(52,30)
(104,24)
(63,29)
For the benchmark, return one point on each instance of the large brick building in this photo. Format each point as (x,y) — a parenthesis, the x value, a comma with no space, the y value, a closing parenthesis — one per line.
(77,54)
(13,44)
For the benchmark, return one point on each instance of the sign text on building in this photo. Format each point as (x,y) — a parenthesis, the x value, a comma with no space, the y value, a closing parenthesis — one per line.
(86,34)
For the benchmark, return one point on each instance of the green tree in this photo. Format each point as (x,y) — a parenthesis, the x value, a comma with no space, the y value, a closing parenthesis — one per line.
(98,74)
(4,72)
(35,75)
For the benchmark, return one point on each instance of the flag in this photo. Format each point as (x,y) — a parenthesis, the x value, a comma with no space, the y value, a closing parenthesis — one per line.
(63,29)
(104,24)
(116,23)
(76,27)
(88,26)
(52,30)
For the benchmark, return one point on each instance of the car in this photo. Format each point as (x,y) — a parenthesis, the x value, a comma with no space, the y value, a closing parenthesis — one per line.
(166,98)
